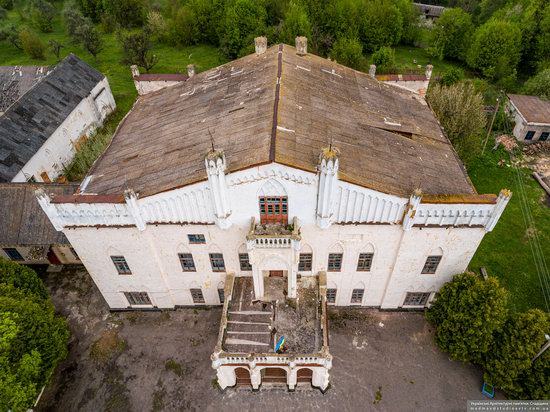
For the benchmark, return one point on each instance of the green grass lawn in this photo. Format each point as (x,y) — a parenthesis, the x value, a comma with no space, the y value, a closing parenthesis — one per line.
(505,251)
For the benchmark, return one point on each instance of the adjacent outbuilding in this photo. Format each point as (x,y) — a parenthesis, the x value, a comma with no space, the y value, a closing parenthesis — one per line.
(532,117)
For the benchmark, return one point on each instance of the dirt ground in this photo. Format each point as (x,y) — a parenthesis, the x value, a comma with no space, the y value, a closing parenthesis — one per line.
(160,361)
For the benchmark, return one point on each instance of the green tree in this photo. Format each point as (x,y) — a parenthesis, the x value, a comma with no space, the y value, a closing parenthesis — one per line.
(31,44)
(411,18)
(496,49)
(296,23)
(42,13)
(539,85)
(242,21)
(3,13)
(55,47)
(90,38)
(468,311)
(184,30)
(535,381)
(126,13)
(157,26)
(137,49)
(451,35)
(452,76)
(11,33)
(381,24)
(32,339)
(6,4)
(337,19)
(92,9)
(348,52)
(384,58)
(513,349)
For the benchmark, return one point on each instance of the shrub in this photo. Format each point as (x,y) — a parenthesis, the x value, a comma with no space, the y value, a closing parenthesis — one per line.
(125,13)
(92,9)
(137,49)
(31,44)
(184,30)
(384,57)
(21,278)
(3,13)
(90,38)
(74,20)
(348,52)
(467,313)
(157,26)
(381,24)
(42,13)
(452,76)
(6,4)
(451,34)
(539,85)
(296,23)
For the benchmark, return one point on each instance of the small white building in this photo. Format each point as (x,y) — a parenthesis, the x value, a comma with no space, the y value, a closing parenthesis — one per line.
(532,117)
(41,128)
(280,174)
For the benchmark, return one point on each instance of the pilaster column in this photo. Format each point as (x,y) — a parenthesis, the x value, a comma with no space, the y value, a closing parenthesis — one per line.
(255,378)
(502,200)
(328,178)
(292,378)
(133,208)
(215,168)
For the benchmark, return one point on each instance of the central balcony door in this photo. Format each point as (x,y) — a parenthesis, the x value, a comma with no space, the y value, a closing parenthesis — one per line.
(276,274)
(274,209)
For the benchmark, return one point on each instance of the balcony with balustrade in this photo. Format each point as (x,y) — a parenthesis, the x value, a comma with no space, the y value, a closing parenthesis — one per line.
(274,235)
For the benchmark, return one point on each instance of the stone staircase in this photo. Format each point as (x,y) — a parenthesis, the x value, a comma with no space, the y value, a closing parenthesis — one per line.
(249,331)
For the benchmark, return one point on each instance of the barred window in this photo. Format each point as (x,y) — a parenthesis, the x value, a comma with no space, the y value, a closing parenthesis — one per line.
(121,265)
(357,295)
(335,262)
(431,264)
(331,295)
(137,298)
(416,298)
(197,296)
(244,261)
(216,260)
(305,262)
(221,295)
(187,262)
(196,239)
(365,262)
(13,253)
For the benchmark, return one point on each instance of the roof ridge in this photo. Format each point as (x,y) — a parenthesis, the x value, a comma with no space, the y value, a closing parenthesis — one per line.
(276,103)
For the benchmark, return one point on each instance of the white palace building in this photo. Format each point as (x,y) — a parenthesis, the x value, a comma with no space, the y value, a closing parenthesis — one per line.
(276,184)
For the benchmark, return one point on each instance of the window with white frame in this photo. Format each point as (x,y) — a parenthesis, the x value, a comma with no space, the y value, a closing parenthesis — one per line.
(137,298)
(13,253)
(196,295)
(432,262)
(365,262)
(335,262)
(216,260)
(221,294)
(196,239)
(331,295)
(244,261)
(357,295)
(187,262)
(305,262)
(416,298)
(121,265)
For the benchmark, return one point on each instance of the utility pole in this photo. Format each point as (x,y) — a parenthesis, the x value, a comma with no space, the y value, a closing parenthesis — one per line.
(544,347)
(491,126)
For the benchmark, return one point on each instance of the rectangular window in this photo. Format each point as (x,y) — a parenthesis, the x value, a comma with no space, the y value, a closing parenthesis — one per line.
(357,295)
(244,261)
(216,260)
(74,253)
(197,296)
(431,264)
(530,134)
(121,265)
(416,299)
(187,262)
(137,298)
(196,239)
(544,136)
(13,253)
(221,295)
(365,262)
(274,209)
(305,262)
(334,262)
(331,295)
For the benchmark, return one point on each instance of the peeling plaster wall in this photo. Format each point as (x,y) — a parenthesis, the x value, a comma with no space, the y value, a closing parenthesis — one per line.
(147,86)
(59,149)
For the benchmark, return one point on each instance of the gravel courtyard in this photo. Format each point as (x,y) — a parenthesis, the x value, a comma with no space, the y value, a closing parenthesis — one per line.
(160,361)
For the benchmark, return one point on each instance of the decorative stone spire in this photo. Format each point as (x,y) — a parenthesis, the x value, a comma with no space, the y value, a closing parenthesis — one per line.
(301,45)
(215,168)
(414,202)
(372,70)
(260,44)
(135,70)
(133,208)
(502,200)
(328,177)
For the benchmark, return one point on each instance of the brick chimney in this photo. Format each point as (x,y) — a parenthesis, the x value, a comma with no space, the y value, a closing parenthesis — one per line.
(135,70)
(301,45)
(372,70)
(190,70)
(260,44)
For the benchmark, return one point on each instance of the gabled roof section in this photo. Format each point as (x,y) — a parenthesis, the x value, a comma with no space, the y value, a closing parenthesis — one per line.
(23,220)
(15,81)
(31,120)
(532,108)
(281,107)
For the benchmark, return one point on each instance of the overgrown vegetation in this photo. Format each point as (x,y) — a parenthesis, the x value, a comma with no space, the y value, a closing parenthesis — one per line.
(474,325)
(108,346)
(33,340)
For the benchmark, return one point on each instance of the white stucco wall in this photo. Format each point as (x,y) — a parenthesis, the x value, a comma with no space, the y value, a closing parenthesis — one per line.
(148,86)
(152,254)
(59,149)
(522,126)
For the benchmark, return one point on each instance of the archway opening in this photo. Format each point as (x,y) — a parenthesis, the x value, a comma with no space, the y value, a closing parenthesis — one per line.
(274,375)
(242,376)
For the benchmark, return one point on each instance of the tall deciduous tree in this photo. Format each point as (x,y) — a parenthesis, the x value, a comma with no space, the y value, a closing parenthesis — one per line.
(467,313)
(348,52)
(126,13)
(296,23)
(451,34)
(381,24)
(539,85)
(90,38)
(137,50)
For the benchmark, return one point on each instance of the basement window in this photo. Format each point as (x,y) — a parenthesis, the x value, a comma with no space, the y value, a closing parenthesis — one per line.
(137,298)
(530,134)
(431,265)
(544,136)
(197,296)
(13,253)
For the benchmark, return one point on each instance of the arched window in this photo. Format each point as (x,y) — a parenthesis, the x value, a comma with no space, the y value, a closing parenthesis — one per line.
(273,202)
(357,294)
(335,258)
(305,263)
(364,262)
(244,259)
(331,293)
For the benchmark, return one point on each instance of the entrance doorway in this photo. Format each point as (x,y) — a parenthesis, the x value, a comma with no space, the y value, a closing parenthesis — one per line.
(276,273)
(274,375)
(242,377)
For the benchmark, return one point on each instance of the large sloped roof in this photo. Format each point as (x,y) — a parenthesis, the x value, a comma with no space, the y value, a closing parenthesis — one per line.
(23,221)
(281,107)
(30,120)
(532,108)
